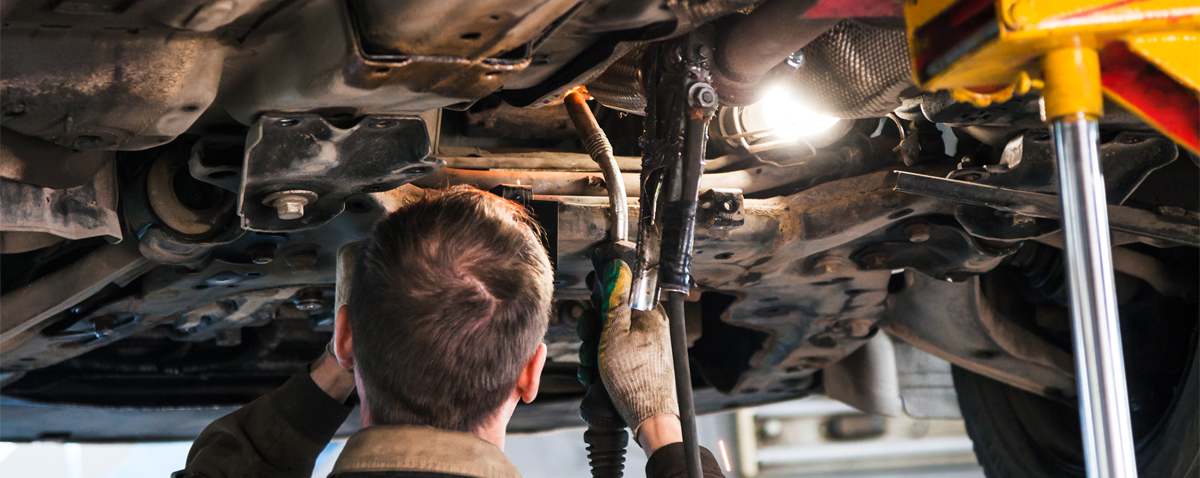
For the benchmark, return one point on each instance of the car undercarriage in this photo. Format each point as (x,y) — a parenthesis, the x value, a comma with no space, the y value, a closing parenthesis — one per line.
(179,177)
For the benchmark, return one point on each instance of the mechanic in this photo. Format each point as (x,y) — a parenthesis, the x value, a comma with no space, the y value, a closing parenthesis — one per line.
(441,337)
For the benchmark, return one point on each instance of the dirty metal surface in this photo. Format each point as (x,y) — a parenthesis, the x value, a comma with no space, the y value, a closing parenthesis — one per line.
(105,88)
(1027,163)
(782,295)
(986,343)
(308,153)
(88,210)
(791,268)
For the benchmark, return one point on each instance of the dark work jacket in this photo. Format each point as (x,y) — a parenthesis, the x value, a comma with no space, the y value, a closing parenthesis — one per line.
(281,434)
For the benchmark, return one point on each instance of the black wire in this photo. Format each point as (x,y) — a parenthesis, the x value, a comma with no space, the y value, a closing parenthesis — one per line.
(683,384)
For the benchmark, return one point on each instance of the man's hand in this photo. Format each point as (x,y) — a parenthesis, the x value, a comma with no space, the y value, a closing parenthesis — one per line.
(332,378)
(635,362)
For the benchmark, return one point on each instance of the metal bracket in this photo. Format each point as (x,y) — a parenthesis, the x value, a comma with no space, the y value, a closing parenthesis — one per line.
(1179,230)
(305,153)
(1028,164)
(725,207)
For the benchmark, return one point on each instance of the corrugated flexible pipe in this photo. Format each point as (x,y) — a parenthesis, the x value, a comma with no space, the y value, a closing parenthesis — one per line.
(601,151)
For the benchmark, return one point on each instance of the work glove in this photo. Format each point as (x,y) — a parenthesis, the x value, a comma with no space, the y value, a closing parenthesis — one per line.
(634,351)
(593,321)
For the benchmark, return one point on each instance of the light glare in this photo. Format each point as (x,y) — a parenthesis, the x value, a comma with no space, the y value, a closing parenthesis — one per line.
(724,454)
(786,118)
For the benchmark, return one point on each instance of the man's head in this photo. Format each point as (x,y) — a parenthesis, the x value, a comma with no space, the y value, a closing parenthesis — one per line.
(448,305)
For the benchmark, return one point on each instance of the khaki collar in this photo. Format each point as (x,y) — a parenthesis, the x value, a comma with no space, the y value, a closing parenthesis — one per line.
(423,449)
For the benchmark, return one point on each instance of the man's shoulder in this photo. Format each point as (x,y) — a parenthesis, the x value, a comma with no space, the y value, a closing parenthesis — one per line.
(415,451)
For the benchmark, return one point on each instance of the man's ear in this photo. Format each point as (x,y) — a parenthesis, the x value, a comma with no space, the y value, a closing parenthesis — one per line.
(343,338)
(531,375)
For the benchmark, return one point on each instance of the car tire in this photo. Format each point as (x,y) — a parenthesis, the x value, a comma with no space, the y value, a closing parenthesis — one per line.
(1018,434)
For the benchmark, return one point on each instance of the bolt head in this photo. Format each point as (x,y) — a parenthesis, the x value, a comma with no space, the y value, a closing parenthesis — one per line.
(308,305)
(702,95)
(310,299)
(289,205)
(289,210)
(263,254)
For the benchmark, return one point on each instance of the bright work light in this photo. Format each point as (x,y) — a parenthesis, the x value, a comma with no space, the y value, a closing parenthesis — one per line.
(785,118)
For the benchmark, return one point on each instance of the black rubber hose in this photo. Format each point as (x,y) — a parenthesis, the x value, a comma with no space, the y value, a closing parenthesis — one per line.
(683,384)
(679,217)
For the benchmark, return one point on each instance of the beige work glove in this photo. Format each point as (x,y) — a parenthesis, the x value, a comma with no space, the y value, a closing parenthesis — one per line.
(635,352)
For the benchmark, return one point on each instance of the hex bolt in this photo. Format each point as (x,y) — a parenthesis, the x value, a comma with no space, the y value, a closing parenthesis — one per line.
(702,95)
(310,300)
(290,204)
(263,253)
(729,205)
(917,232)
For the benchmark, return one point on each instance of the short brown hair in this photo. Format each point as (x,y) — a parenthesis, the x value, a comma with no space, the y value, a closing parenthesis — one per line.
(450,298)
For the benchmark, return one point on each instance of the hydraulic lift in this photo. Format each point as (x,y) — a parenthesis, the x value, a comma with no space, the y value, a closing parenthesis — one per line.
(1145,55)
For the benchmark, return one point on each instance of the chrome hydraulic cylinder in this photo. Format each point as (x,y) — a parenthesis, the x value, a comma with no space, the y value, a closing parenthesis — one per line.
(1099,365)
(1072,101)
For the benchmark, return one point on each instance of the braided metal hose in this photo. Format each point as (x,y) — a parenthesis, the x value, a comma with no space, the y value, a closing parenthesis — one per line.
(601,151)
